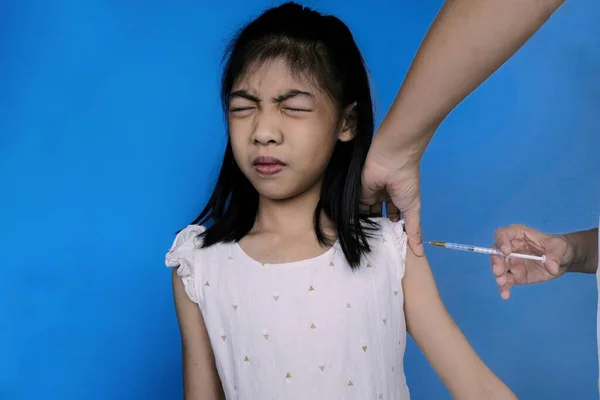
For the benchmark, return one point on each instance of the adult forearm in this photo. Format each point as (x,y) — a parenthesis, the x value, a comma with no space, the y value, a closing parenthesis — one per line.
(585,251)
(467,42)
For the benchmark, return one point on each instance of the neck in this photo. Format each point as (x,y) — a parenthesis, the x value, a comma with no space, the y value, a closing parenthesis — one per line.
(293,216)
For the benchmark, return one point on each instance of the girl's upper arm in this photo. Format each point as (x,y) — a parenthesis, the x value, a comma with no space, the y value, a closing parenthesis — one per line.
(200,378)
(437,335)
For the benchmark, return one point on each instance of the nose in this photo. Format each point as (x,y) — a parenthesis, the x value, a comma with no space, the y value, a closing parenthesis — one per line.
(267,129)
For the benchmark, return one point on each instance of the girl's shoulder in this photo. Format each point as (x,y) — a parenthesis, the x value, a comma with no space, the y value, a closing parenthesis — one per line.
(389,245)
(388,230)
(188,238)
(183,255)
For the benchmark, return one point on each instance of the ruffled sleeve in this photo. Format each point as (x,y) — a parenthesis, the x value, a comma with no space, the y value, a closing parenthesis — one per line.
(182,254)
(397,240)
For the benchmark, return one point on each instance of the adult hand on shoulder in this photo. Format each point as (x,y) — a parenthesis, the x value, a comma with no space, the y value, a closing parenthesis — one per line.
(393,177)
(516,271)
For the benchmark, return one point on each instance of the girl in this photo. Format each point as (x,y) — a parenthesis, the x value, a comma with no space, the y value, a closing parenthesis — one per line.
(282,290)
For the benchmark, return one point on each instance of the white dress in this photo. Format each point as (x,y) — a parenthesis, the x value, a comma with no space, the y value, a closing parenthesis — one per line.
(311,329)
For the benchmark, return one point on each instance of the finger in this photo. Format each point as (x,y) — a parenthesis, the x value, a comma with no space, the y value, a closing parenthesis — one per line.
(511,279)
(376,210)
(368,196)
(502,280)
(504,237)
(392,211)
(412,223)
(364,208)
(498,265)
(552,266)
(505,288)
(371,192)
(518,273)
(518,244)
(554,256)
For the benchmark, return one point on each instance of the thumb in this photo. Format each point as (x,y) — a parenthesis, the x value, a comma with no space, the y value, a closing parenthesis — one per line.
(368,193)
(553,259)
(412,223)
(552,266)
(368,196)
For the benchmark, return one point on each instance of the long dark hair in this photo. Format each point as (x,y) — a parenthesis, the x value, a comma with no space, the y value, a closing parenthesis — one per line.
(321,47)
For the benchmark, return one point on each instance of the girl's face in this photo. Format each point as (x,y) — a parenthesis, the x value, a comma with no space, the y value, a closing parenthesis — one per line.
(283,130)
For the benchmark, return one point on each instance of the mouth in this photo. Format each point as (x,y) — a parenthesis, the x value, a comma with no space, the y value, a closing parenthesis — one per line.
(268,165)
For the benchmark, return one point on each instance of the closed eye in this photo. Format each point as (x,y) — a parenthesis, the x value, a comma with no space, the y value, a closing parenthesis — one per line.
(241,111)
(297,110)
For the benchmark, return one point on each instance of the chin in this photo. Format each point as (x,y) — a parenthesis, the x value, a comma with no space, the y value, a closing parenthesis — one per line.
(285,189)
(276,194)
(277,190)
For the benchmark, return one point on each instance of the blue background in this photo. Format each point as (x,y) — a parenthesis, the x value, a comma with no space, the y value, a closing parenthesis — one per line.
(111,136)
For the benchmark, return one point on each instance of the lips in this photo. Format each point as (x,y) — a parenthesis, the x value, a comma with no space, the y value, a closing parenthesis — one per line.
(268,165)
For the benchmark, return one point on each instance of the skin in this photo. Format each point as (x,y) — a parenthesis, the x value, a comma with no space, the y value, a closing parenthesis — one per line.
(467,42)
(273,113)
(571,252)
(264,124)
(200,378)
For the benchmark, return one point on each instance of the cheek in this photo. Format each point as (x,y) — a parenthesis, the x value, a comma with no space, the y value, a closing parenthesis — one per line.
(240,155)
(316,149)
(239,142)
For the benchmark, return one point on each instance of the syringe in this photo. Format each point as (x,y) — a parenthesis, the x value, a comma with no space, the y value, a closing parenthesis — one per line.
(486,250)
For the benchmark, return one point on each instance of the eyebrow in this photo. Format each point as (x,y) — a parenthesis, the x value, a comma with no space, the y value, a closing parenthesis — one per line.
(285,96)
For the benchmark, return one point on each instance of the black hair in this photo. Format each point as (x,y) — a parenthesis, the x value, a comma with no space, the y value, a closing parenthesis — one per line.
(323,48)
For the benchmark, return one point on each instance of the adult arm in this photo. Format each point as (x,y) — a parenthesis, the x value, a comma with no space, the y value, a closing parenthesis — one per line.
(585,251)
(467,42)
